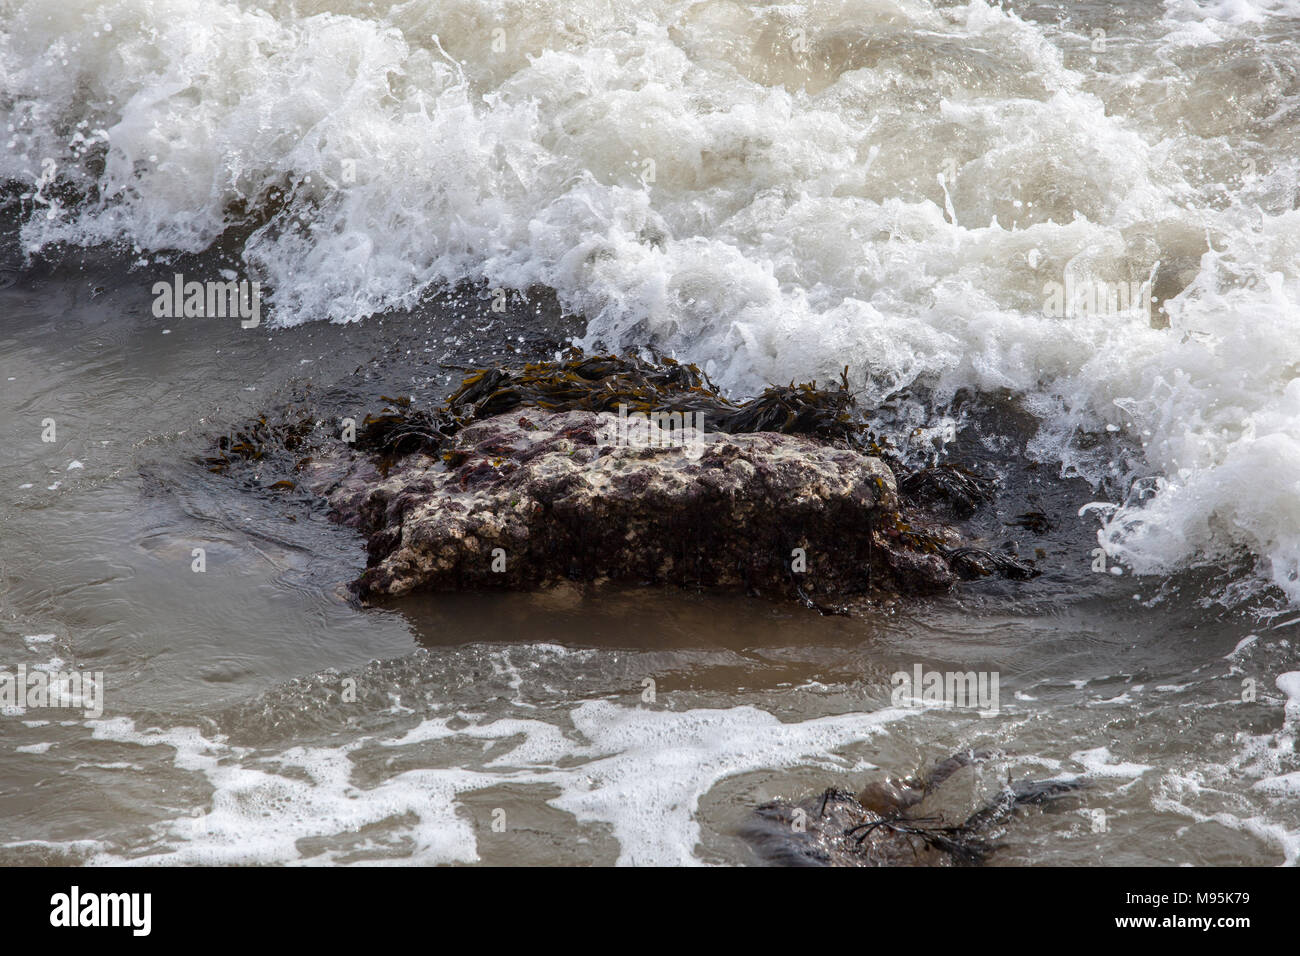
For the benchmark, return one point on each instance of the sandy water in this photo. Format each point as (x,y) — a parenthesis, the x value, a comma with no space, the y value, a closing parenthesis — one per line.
(775,191)
(252,715)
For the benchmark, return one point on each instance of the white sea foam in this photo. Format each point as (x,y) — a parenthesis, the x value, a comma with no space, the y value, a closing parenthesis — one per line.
(1100,762)
(755,187)
(639,771)
(1267,761)
(651,767)
(261,809)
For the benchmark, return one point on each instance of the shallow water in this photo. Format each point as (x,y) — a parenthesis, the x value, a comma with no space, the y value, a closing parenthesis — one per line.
(773,191)
(251,714)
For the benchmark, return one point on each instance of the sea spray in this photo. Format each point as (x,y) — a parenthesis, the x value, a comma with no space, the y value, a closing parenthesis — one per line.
(768,191)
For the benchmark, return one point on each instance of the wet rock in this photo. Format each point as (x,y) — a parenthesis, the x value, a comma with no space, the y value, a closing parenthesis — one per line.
(528,498)
(884,825)
(526,476)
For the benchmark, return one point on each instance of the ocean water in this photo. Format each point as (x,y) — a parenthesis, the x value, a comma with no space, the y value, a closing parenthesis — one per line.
(1063,238)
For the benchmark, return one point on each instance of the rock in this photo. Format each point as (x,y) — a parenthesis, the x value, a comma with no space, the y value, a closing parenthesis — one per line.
(526,476)
(884,825)
(527,498)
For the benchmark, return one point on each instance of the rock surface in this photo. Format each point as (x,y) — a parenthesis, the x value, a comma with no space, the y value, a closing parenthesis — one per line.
(531,497)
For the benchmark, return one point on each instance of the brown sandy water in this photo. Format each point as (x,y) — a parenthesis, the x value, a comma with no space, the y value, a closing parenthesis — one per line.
(252,715)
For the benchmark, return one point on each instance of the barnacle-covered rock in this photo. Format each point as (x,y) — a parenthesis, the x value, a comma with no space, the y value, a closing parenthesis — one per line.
(626,469)
(527,498)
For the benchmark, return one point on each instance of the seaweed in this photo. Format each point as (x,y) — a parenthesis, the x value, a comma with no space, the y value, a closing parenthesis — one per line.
(965,843)
(958,486)
(959,842)
(250,443)
(980,562)
(603,383)
(395,433)
(880,828)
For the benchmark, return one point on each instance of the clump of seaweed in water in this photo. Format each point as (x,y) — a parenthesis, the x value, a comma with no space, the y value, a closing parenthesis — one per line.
(251,442)
(961,488)
(879,825)
(603,383)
